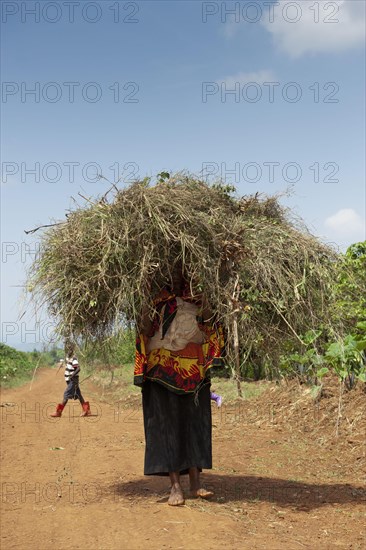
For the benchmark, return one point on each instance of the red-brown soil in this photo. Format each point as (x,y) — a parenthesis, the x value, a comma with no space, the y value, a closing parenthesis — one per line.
(282,478)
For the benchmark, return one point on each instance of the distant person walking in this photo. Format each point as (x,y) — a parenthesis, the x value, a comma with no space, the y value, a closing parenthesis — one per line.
(72,391)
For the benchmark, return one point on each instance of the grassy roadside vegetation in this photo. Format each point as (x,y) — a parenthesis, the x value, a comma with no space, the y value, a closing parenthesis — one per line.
(17,367)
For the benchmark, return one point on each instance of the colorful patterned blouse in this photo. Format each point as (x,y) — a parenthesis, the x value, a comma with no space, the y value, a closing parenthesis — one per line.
(180,370)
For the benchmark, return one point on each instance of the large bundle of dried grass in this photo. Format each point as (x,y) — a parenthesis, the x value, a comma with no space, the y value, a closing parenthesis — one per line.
(254,263)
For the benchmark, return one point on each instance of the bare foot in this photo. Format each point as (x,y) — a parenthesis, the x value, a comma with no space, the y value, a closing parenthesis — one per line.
(202,493)
(176,497)
(195,486)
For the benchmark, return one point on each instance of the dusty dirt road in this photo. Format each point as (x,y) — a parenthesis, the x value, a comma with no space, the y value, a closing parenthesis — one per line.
(77,483)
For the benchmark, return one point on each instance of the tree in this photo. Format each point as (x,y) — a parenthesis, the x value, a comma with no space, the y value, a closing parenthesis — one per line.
(350,287)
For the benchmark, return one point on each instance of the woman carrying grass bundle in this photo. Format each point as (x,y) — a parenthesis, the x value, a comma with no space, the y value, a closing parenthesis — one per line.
(174,354)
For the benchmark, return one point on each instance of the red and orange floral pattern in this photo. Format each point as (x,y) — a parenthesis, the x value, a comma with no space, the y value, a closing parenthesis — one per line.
(180,371)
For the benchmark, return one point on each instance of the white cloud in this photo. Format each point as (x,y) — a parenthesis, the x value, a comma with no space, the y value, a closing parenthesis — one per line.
(243,78)
(340,26)
(346,223)
(231,28)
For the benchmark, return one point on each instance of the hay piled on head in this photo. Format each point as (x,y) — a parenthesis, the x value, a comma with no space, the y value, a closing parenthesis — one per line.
(251,261)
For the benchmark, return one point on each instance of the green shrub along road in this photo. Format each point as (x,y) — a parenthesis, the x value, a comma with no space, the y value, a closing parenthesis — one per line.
(16,367)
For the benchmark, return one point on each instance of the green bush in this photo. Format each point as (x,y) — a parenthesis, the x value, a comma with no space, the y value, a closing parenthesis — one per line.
(350,288)
(115,351)
(14,363)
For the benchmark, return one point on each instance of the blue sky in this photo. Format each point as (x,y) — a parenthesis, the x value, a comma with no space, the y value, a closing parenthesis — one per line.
(174,64)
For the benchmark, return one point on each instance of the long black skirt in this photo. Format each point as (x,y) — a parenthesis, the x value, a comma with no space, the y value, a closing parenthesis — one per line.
(177,430)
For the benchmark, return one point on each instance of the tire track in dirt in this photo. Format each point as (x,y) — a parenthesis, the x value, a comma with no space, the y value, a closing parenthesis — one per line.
(91,493)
